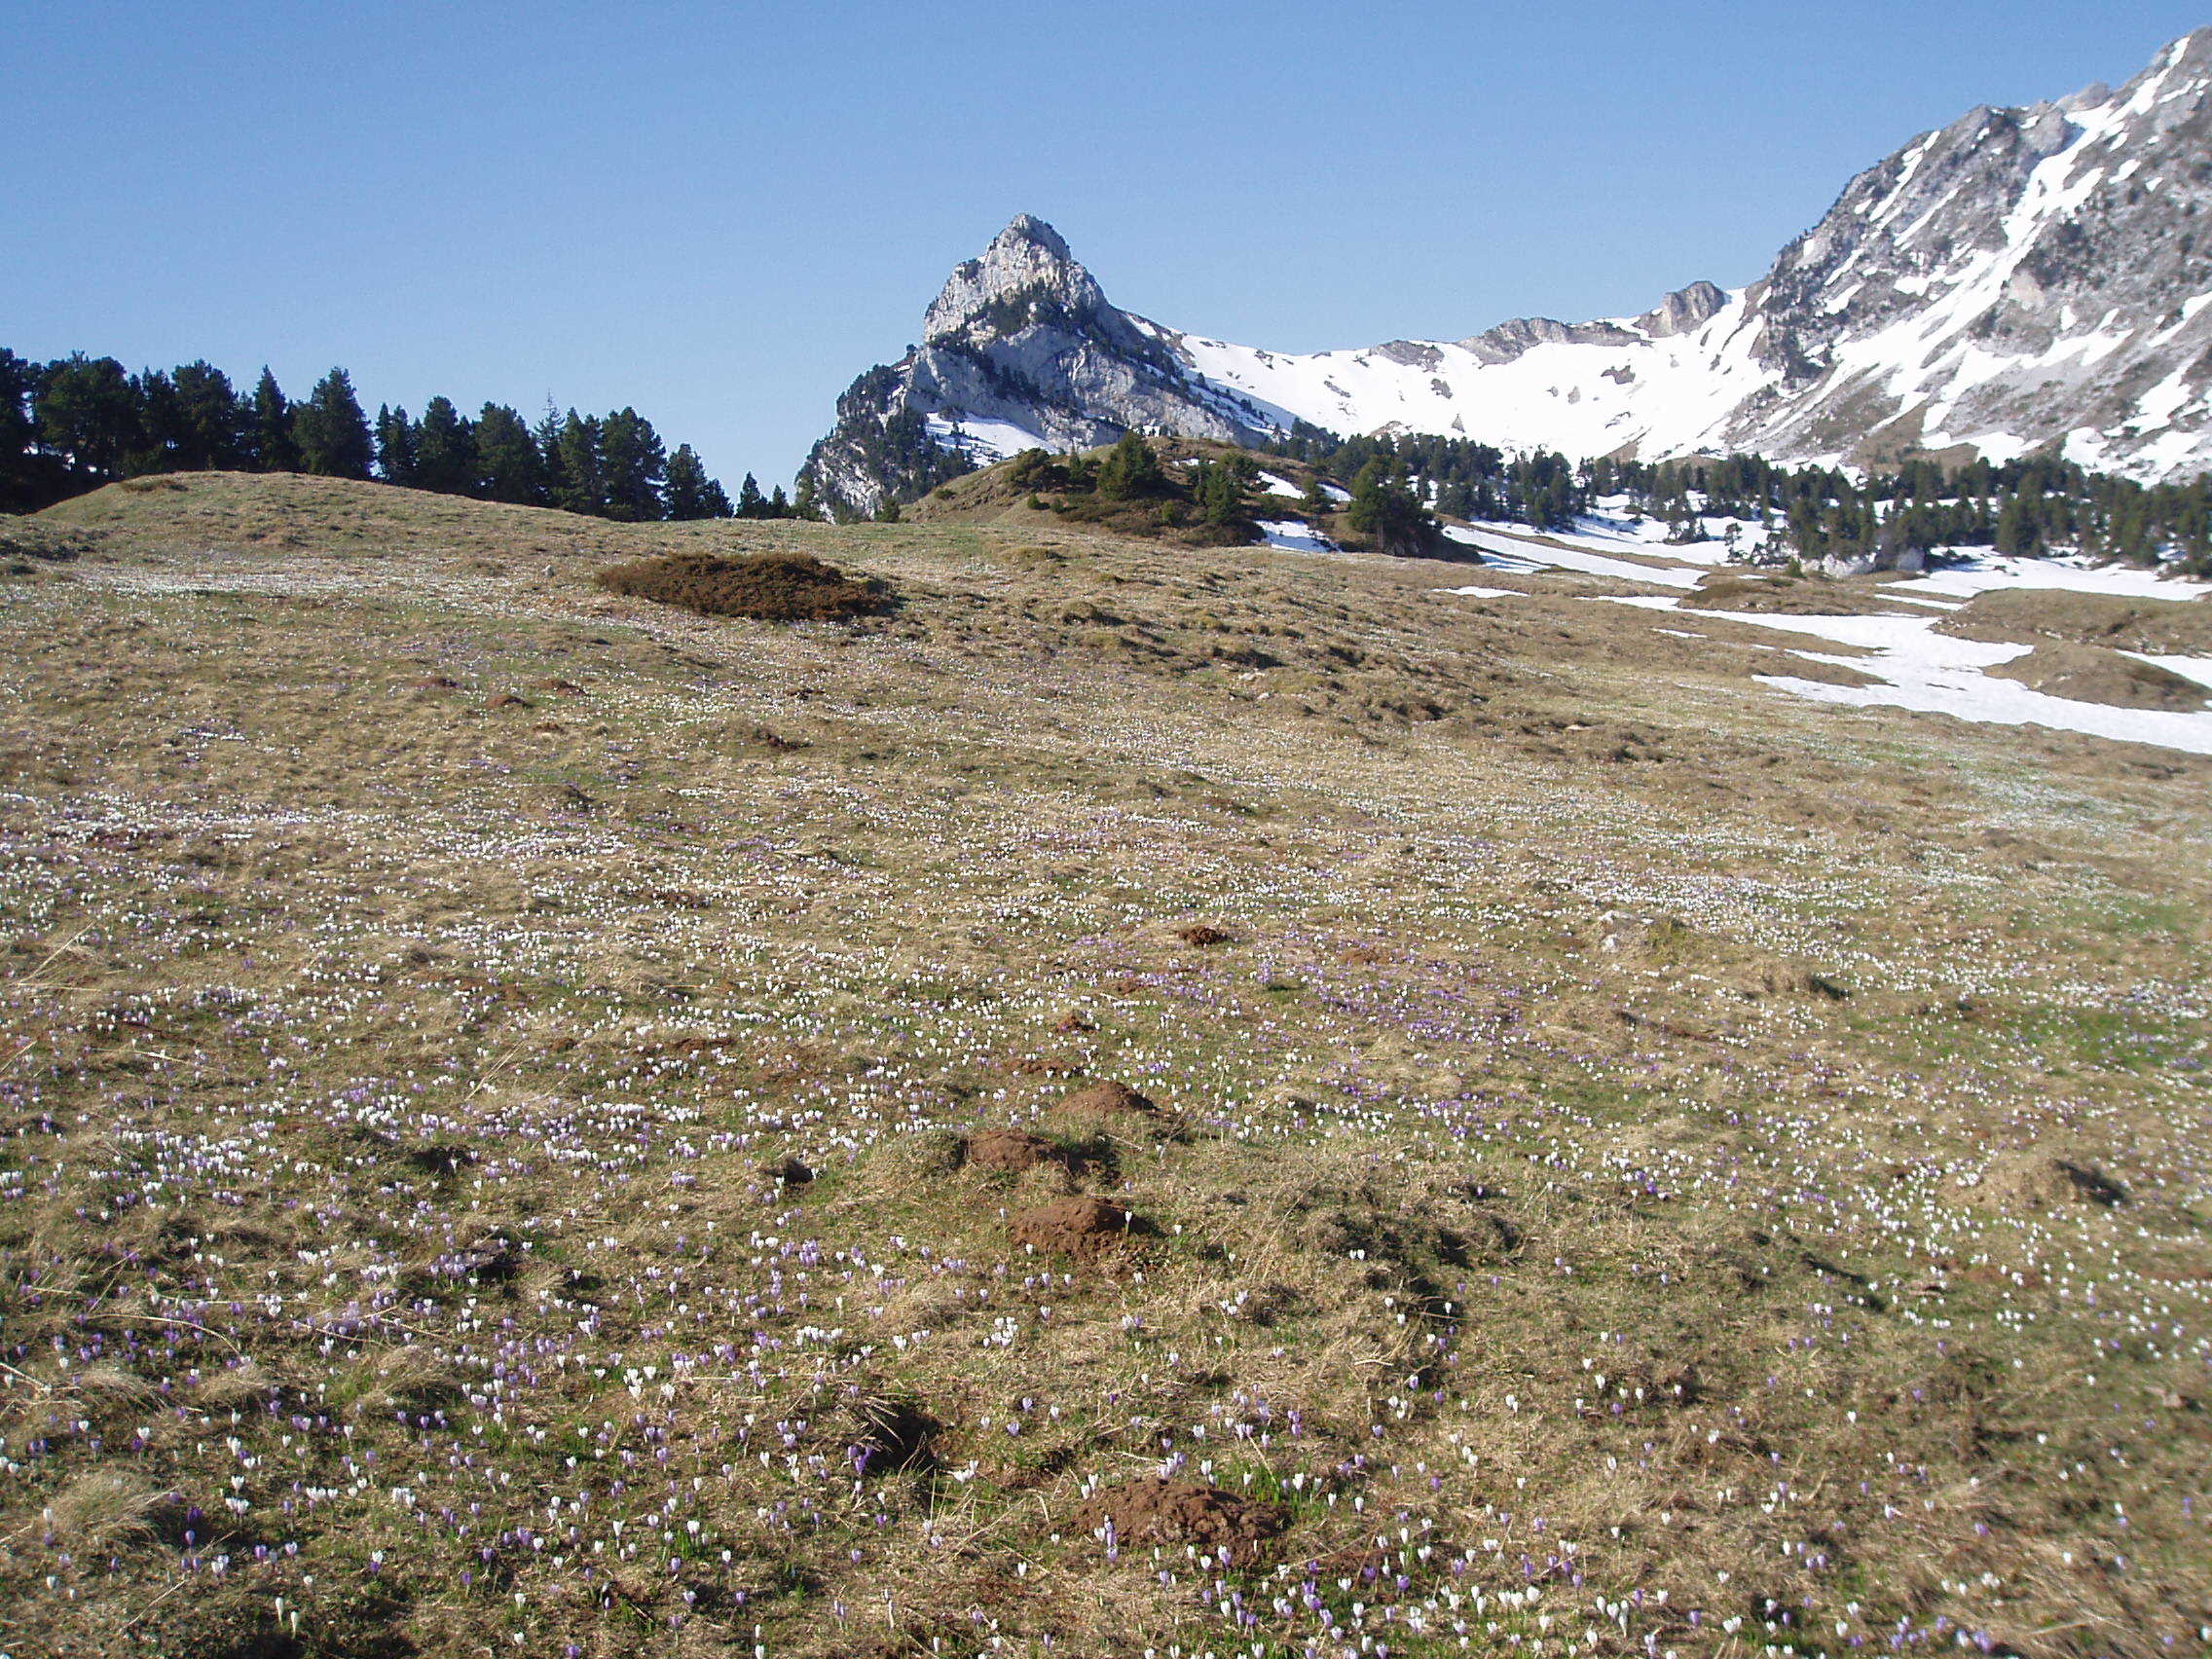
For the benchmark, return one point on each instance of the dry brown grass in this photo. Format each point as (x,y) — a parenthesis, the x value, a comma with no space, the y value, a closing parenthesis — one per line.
(2031,617)
(403,1151)
(2090,674)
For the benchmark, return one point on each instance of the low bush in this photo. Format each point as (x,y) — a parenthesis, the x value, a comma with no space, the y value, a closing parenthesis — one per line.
(767,587)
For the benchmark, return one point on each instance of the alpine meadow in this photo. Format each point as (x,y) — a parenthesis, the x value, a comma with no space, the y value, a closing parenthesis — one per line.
(1540,996)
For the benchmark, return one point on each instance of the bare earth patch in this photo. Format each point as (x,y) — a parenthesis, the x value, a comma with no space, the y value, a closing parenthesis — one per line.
(1228,1529)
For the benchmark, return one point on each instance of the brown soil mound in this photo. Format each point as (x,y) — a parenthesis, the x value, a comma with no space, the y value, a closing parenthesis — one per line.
(2037,1181)
(1106,1099)
(1201,934)
(1143,1513)
(768,587)
(1085,1227)
(1012,1151)
(2027,617)
(2090,674)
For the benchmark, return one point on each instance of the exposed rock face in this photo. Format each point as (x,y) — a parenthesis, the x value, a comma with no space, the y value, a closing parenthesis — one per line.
(1682,312)
(1020,348)
(2020,279)
(2023,280)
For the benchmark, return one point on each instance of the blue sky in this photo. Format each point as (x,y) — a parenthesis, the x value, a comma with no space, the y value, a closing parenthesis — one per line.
(721,213)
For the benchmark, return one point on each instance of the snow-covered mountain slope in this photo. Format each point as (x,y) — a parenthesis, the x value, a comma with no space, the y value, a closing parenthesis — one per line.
(2021,279)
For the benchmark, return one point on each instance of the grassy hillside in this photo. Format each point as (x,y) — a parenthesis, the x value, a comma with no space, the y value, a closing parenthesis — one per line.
(536,1122)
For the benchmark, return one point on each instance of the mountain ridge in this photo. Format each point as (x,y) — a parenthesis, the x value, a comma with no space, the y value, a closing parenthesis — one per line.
(2021,279)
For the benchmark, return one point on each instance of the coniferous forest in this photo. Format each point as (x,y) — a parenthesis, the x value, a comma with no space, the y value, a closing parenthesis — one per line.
(2033,505)
(77,423)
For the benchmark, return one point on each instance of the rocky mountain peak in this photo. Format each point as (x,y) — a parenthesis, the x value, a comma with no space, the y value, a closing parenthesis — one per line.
(1025,276)
(1021,349)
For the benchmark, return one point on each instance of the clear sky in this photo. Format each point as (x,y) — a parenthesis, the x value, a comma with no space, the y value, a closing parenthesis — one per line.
(721,213)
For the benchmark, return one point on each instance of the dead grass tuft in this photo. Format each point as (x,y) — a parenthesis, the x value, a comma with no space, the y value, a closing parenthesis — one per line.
(102,1507)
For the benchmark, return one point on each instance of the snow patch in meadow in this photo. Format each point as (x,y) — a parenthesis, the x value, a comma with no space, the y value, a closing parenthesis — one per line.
(1295,535)
(1939,674)
(1972,576)
(1532,553)
(1643,602)
(1483,592)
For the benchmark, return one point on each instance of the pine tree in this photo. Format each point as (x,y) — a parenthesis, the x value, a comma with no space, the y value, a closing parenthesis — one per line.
(546,435)
(2019,530)
(779,506)
(445,450)
(508,467)
(688,483)
(27,480)
(331,431)
(1221,491)
(1130,471)
(214,421)
(160,437)
(87,414)
(635,465)
(270,442)
(580,485)
(395,446)
(750,504)
(1385,509)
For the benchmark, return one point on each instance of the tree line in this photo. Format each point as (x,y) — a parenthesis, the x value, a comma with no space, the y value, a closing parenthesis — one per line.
(77,423)
(2027,507)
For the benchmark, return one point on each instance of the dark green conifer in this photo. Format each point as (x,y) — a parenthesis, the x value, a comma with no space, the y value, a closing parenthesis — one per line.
(331,430)
(88,415)
(1130,471)
(213,419)
(687,484)
(635,465)
(445,450)
(395,446)
(272,447)
(507,464)
(580,485)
